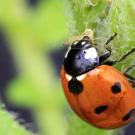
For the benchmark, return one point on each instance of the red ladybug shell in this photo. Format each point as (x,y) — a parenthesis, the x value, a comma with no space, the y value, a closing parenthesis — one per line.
(107,99)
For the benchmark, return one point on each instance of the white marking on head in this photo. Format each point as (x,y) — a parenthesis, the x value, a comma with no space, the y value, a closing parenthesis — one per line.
(75,42)
(90,53)
(81,77)
(83,43)
(67,52)
(68,77)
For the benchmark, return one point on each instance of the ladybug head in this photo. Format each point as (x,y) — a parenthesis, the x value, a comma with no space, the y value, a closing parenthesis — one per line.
(84,43)
(81,57)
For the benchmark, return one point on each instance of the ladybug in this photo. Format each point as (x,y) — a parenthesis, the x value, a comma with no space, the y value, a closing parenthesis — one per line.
(96,91)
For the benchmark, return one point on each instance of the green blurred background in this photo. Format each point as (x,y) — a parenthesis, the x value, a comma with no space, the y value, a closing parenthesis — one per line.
(32,36)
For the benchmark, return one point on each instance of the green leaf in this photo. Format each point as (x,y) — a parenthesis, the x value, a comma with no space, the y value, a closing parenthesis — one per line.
(79,127)
(9,126)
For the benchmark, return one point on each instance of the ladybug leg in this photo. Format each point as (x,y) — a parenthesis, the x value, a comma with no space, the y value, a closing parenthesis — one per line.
(130,78)
(121,59)
(127,54)
(104,56)
(110,39)
(129,68)
(107,54)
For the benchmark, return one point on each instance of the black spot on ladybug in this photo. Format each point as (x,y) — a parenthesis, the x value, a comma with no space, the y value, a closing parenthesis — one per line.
(101,109)
(129,115)
(116,88)
(75,86)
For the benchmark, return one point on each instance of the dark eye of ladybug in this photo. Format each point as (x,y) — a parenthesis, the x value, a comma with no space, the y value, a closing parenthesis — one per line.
(81,58)
(86,38)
